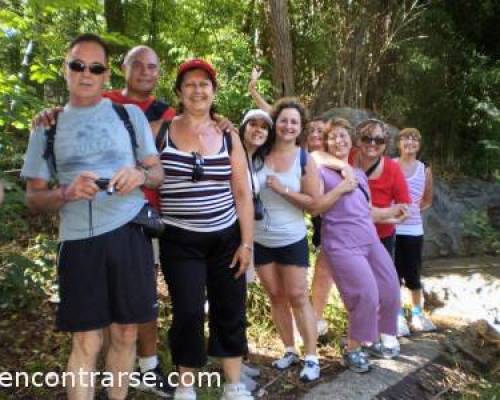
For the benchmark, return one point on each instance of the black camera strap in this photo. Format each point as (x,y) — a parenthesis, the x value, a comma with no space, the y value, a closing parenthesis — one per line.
(372,169)
(250,169)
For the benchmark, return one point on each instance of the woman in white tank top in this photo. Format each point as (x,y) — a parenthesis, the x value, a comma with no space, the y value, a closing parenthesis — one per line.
(289,182)
(410,233)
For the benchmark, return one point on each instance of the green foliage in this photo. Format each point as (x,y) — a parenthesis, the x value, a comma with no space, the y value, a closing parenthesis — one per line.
(12,212)
(442,76)
(448,85)
(260,324)
(27,278)
(479,236)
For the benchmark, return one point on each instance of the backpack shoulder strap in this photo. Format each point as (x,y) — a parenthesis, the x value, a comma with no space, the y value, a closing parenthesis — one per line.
(229,141)
(162,133)
(155,110)
(49,154)
(123,114)
(303,161)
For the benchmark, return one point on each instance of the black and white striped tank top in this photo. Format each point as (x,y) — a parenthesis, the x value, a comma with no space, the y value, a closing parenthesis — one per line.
(206,205)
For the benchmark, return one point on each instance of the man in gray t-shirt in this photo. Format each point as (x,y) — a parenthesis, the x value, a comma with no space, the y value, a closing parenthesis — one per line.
(105,263)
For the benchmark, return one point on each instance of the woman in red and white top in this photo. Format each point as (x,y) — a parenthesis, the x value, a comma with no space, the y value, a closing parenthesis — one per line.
(386,180)
(410,233)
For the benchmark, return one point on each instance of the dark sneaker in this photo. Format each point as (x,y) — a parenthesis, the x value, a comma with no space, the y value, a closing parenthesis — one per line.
(155,381)
(378,350)
(357,361)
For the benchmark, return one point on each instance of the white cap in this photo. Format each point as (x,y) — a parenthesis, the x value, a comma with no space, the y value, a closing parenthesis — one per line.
(257,114)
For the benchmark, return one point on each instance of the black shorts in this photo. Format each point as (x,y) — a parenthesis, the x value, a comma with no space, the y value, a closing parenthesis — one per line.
(293,254)
(106,279)
(408,260)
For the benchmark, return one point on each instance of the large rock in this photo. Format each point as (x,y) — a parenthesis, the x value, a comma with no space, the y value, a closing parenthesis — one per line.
(453,203)
(355,116)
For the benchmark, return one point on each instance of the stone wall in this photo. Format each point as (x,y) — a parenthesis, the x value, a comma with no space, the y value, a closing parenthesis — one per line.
(452,202)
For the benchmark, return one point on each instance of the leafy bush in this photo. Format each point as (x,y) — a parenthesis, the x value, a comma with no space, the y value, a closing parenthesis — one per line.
(29,277)
(479,236)
(13,212)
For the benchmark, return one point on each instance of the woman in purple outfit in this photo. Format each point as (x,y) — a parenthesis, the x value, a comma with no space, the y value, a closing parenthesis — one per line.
(359,263)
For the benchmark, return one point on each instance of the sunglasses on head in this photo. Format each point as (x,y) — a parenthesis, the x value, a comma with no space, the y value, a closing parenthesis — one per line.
(378,140)
(94,68)
(198,171)
(408,138)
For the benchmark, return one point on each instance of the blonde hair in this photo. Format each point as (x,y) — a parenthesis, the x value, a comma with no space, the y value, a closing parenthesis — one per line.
(407,132)
(337,123)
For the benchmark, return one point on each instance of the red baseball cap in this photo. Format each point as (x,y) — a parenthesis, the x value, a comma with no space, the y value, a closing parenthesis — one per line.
(196,63)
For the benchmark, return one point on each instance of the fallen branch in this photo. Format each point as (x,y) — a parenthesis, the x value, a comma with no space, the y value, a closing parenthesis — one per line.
(262,391)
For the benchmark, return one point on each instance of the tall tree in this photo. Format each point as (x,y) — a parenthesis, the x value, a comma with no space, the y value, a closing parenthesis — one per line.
(281,43)
(115,16)
(365,33)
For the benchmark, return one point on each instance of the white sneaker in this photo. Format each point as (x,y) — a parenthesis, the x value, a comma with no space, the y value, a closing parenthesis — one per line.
(310,372)
(420,323)
(288,359)
(185,393)
(403,329)
(236,392)
(390,341)
(250,371)
(322,327)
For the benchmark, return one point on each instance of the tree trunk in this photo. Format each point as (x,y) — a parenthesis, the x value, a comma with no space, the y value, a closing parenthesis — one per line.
(281,43)
(115,17)
(153,24)
(369,30)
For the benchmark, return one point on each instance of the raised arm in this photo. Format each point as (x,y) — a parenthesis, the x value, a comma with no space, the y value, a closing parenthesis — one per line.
(256,96)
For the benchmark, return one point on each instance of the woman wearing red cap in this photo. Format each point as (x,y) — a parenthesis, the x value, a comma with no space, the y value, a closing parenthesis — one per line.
(207,208)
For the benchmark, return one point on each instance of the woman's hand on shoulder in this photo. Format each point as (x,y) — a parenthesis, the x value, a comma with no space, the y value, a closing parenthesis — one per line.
(224,125)
(46,118)
(347,185)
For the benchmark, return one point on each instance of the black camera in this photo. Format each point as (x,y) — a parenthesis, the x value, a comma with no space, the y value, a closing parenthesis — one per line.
(103,184)
(258,207)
